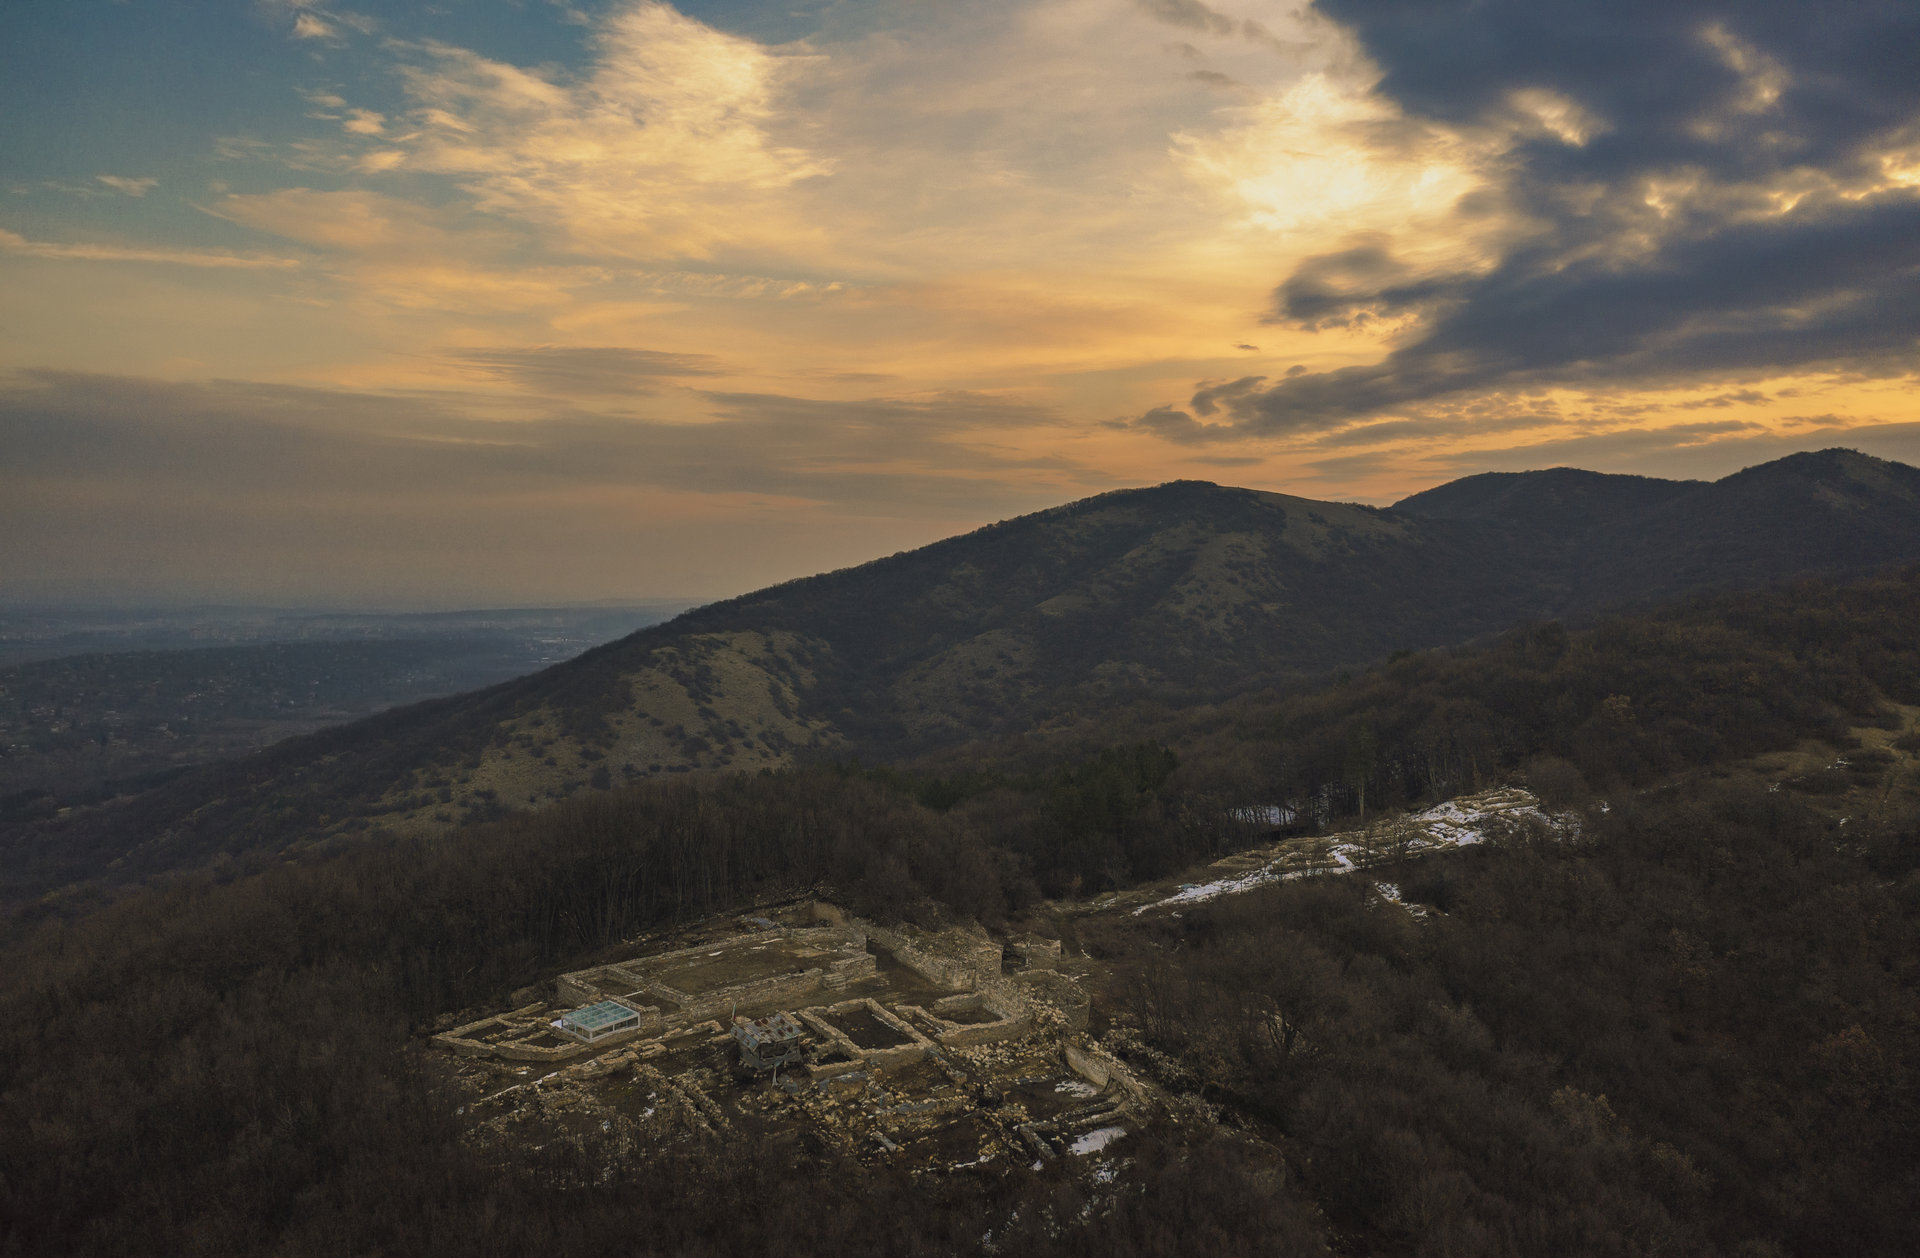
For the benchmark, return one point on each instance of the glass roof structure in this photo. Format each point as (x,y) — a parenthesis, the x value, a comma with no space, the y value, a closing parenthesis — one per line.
(598,1017)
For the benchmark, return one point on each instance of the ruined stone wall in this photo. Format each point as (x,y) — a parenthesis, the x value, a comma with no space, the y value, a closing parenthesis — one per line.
(465,1041)
(533,1052)
(1101,1068)
(1039,952)
(850,969)
(781,989)
(950,972)
(822,1071)
(833,1036)
(916,1048)
(602,982)
(1009,1022)
(518,1027)
(820,1020)
(972,964)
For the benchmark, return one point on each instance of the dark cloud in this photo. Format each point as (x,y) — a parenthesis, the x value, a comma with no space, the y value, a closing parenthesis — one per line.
(1652,70)
(587,370)
(1351,287)
(1729,104)
(1173,424)
(1209,398)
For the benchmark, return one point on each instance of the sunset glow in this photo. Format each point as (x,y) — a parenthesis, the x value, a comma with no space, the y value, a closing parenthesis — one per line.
(539,302)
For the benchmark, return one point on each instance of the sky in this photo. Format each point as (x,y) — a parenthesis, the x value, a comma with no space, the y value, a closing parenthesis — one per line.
(485,301)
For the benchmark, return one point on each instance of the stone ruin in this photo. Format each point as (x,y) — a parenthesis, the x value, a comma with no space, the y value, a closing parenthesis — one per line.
(888,1042)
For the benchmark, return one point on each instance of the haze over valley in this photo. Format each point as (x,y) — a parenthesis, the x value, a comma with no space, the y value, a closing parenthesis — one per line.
(79,723)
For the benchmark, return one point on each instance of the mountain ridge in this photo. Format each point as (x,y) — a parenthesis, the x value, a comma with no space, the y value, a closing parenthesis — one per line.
(1181,592)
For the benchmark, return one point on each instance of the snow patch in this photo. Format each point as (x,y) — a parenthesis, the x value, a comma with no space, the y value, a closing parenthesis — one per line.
(1462,822)
(1095,1140)
(1389,893)
(1193,893)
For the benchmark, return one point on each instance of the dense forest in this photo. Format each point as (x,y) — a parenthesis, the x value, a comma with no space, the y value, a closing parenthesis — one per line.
(1141,791)
(1692,1029)
(1692,1032)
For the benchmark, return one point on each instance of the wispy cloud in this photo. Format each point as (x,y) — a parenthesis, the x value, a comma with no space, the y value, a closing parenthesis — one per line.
(13,242)
(587,370)
(661,151)
(317,22)
(131,186)
(310,25)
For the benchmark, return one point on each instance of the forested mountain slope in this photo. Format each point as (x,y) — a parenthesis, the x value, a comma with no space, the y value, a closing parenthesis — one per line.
(1685,1027)
(1182,592)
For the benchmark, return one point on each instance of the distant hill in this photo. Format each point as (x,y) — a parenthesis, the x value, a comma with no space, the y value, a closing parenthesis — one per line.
(1564,501)
(1832,512)
(1635,539)
(1183,591)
